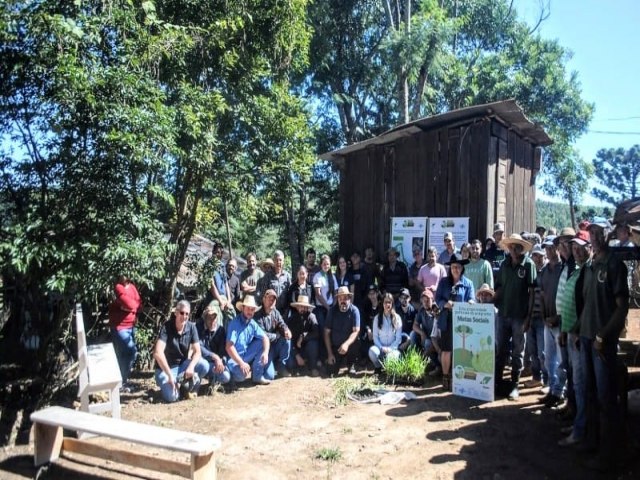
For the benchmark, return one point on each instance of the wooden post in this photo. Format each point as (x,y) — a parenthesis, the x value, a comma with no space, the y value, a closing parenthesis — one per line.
(203,467)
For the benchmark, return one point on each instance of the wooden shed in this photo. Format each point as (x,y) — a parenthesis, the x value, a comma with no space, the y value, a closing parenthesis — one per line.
(479,162)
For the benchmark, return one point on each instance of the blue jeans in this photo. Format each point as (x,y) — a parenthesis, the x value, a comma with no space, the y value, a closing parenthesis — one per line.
(222,377)
(535,349)
(510,328)
(309,351)
(580,420)
(252,357)
(124,343)
(557,375)
(279,353)
(377,356)
(170,394)
(601,385)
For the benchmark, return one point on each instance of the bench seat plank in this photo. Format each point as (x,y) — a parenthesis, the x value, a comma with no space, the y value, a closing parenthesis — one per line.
(193,443)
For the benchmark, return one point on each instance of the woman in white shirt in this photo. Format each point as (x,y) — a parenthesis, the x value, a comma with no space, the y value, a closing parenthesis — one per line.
(387,333)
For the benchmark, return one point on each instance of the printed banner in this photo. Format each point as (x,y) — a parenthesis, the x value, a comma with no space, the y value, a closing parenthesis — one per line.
(473,365)
(408,234)
(438,226)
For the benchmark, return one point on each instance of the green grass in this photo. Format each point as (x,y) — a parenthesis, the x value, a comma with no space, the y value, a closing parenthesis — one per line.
(410,367)
(345,385)
(329,454)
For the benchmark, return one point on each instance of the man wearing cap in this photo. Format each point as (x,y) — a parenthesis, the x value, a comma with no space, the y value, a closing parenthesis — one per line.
(535,327)
(270,320)
(515,284)
(432,272)
(278,280)
(341,333)
(602,304)
(449,249)
(423,327)
(478,270)
(576,393)
(212,343)
(495,255)
(395,275)
(248,346)
(407,313)
(305,336)
(177,355)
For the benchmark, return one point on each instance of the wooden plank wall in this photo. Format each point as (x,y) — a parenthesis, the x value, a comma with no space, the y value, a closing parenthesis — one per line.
(480,170)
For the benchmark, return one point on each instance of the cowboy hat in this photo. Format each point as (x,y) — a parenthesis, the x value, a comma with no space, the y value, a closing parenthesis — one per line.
(516,239)
(343,291)
(247,301)
(267,262)
(485,288)
(303,301)
(457,259)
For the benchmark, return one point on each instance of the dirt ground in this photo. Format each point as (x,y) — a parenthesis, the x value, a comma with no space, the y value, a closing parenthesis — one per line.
(280,431)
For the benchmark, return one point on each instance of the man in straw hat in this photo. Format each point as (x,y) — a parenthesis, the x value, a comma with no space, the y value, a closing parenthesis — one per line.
(212,343)
(341,333)
(305,336)
(515,284)
(248,346)
(602,304)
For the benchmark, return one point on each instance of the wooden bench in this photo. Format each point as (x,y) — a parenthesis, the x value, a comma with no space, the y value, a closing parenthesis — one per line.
(48,427)
(99,372)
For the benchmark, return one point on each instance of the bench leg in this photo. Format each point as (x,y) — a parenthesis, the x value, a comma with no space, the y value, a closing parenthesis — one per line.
(203,467)
(48,442)
(115,401)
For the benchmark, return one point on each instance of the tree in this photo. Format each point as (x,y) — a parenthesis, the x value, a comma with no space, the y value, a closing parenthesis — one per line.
(464,331)
(619,172)
(568,177)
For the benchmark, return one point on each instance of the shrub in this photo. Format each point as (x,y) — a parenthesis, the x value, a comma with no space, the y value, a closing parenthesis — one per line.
(409,367)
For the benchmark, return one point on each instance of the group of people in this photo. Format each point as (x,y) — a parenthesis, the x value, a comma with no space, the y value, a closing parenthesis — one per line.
(561,302)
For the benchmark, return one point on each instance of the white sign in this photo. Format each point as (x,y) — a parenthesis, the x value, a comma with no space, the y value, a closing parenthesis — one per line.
(473,365)
(438,226)
(408,234)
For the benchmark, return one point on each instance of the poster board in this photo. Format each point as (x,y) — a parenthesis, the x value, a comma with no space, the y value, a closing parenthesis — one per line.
(473,364)
(438,226)
(407,234)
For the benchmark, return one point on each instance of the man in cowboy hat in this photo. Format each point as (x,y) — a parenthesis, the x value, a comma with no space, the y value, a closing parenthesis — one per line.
(248,346)
(515,284)
(341,333)
(602,304)
(305,336)
(277,331)
(212,343)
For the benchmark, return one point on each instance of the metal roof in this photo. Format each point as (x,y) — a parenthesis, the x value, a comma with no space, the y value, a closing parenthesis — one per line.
(507,112)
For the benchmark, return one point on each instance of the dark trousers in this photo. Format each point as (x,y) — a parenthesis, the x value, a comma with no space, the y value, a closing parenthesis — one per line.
(347,360)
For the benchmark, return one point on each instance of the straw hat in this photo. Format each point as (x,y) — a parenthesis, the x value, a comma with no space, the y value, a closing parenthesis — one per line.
(515,239)
(267,262)
(485,289)
(303,301)
(247,301)
(344,291)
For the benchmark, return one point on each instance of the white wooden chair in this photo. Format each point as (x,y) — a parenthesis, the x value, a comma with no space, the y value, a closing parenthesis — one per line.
(99,372)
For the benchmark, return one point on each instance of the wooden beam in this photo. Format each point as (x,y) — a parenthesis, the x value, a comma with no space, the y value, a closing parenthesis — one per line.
(127,457)
(48,441)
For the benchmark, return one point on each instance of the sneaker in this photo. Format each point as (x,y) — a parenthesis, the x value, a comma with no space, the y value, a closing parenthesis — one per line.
(262,381)
(533,383)
(284,373)
(545,390)
(568,441)
(315,372)
(514,394)
(352,370)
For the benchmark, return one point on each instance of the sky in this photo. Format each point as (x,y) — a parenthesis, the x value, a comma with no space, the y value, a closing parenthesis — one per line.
(604,36)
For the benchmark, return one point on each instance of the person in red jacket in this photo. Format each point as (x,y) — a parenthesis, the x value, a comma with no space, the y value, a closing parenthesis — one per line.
(123,315)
